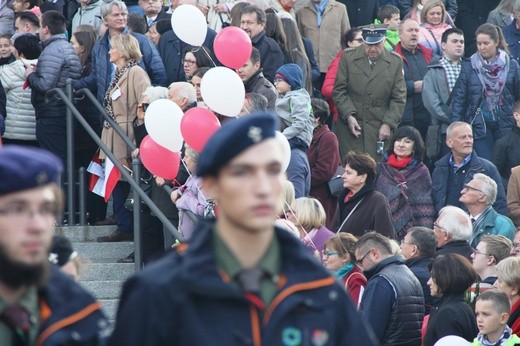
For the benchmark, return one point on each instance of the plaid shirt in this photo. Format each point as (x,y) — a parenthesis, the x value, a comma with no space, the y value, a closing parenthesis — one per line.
(452,71)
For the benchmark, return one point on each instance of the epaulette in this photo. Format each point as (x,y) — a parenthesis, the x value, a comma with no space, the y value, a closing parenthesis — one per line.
(349,49)
(394,53)
(180,248)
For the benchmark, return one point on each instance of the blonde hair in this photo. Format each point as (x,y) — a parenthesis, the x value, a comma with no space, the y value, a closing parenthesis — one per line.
(508,271)
(286,197)
(128,46)
(309,213)
(431,4)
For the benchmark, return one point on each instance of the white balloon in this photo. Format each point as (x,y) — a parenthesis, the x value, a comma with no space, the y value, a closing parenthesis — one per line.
(163,123)
(452,340)
(286,149)
(223,91)
(189,24)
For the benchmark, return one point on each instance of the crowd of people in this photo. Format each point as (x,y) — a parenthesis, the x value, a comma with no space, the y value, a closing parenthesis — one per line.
(402,120)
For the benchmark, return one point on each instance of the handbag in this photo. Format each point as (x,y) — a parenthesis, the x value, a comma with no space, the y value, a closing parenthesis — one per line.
(433,141)
(335,184)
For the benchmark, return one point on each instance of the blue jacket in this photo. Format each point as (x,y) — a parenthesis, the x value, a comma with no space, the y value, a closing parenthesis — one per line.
(183,299)
(57,63)
(419,268)
(73,317)
(171,50)
(495,224)
(512,36)
(101,74)
(477,164)
(467,97)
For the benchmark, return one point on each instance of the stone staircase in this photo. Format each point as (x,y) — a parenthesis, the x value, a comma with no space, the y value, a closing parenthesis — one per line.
(102,275)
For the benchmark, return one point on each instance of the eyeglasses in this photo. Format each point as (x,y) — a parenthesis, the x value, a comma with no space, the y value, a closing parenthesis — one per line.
(24,212)
(188,62)
(516,244)
(360,261)
(436,225)
(477,252)
(143,106)
(467,187)
(329,253)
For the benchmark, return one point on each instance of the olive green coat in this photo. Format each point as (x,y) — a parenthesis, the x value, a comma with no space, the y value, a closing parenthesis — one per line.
(374,96)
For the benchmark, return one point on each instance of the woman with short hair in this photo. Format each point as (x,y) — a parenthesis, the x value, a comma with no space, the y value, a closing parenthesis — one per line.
(360,207)
(508,281)
(451,276)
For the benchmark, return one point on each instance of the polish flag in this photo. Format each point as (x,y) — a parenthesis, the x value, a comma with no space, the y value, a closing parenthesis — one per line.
(102,181)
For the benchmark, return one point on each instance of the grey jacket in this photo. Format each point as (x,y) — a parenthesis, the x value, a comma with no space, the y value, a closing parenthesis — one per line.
(90,14)
(294,111)
(436,94)
(6,18)
(499,18)
(56,64)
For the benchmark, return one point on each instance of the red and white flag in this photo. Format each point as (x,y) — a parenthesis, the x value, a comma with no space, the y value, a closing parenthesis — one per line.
(102,180)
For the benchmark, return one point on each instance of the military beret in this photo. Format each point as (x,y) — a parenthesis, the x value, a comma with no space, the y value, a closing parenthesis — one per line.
(234,137)
(373,34)
(23,168)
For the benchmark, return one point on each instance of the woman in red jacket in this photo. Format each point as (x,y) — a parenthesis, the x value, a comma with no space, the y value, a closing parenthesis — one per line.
(338,257)
(351,39)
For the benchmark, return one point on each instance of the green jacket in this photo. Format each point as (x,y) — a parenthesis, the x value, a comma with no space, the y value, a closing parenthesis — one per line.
(392,39)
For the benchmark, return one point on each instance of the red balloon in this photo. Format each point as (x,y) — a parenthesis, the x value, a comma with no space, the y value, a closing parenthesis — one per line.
(197,126)
(232,47)
(158,160)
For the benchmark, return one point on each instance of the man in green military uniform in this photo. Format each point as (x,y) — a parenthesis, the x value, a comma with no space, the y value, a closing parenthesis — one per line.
(369,93)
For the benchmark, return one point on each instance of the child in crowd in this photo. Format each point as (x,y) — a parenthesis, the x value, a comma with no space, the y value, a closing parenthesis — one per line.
(390,15)
(294,109)
(492,312)
(6,50)
(26,5)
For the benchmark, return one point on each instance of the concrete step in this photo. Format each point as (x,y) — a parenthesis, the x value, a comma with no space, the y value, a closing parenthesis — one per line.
(85,233)
(108,271)
(104,251)
(109,307)
(103,289)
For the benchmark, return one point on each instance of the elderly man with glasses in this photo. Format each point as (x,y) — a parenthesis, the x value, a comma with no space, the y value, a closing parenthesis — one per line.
(478,196)
(453,230)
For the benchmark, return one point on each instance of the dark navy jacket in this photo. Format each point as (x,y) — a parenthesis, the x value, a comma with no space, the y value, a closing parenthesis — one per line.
(100,77)
(512,36)
(419,268)
(467,97)
(69,315)
(477,164)
(184,300)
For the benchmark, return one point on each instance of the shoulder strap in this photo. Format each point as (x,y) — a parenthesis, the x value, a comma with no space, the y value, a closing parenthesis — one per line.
(349,215)
(350,277)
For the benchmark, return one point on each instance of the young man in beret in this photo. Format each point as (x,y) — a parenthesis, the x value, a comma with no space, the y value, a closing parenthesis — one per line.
(240,281)
(39,305)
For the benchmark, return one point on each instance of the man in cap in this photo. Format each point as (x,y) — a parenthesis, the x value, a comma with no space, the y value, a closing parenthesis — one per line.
(240,280)
(39,305)
(369,93)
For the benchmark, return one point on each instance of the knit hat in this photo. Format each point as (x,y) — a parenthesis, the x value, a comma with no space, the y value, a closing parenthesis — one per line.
(292,74)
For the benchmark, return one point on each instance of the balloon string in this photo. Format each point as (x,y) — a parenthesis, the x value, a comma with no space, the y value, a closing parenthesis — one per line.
(190,174)
(207,54)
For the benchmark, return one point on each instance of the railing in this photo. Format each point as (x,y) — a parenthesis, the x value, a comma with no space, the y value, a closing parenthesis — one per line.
(139,194)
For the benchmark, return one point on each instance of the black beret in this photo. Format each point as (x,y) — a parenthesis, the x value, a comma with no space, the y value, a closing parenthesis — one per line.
(234,137)
(61,251)
(23,168)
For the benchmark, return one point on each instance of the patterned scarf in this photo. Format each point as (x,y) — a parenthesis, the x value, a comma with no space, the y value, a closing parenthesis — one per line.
(493,77)
(482,339)
(107,100)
